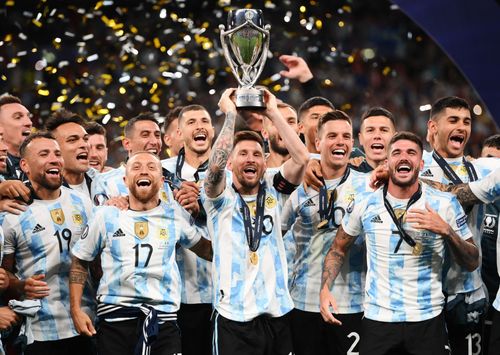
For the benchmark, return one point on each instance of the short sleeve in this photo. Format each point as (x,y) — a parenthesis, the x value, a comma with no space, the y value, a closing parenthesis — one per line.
(93,237)
(10,234)
(352,222)
(190,234)
(488,188)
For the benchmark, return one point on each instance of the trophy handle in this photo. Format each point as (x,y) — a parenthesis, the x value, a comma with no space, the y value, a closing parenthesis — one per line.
(224,35)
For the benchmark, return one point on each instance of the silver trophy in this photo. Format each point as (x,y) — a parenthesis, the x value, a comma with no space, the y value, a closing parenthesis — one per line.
(245,45)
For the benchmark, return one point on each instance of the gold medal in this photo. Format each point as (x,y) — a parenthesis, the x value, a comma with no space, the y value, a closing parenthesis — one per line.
(417,249)
(323,224)
(254,258)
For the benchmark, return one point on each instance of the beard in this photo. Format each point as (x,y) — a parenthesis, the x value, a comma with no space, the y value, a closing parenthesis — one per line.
(408,183)
(49,185)
(144,195)
(276,147)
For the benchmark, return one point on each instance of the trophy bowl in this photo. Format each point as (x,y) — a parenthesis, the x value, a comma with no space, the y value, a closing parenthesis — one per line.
(245,45)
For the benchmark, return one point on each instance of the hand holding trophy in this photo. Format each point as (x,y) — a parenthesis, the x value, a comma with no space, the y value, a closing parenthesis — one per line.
(245,45)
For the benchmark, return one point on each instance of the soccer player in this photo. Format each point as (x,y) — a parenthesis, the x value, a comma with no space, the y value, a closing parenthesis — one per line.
(37,248)
(406,226)
(309,113)
(13,193)
(489,242)
(68,129)
(16,120)
(139,292)
(186,171)
(315,218)
(377,128)
(142,133)
(251,296)
(449,129)
(98,147)
(171,138)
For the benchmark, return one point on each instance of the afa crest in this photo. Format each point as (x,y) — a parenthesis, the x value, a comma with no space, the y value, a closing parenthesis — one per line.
(163,235)
(270,202)
(141,229)
(163,196)
(57,216)
(77,218)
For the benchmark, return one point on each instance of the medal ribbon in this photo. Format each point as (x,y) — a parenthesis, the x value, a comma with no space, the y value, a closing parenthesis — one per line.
(254,235)
(450,173)
(398,221)
(180,163)
(326,207)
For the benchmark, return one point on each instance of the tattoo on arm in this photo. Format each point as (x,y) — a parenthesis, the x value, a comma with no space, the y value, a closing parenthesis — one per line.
(462,191)
(437,185)
(220,155)
(465,195)
(335,257)
(465,252)
(78,272)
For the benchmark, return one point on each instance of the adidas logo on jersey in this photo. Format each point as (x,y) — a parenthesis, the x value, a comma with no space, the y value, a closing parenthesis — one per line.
(38,228)
(119,233)
(427,173)
(376,219)
(309,203)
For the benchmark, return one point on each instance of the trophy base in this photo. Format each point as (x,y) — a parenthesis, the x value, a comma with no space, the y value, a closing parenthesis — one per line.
(250,99)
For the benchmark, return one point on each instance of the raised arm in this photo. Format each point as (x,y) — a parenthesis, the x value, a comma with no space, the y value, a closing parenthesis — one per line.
(77,278)
(331,267)
(215,179)
(293,169)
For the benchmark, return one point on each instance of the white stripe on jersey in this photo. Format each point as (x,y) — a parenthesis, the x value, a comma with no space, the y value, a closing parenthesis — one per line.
(195,272)
(243,291)
(40,239)
(459,280)
(401,287)
(138,254)
(302,211)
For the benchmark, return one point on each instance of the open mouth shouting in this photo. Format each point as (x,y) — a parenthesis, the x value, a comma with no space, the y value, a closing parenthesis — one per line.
(339,153)
(94,163)
(403,169)
(377,147)
(26,133)
(83,157)
(200,137)
(457,140)
(53,173)
(143,183)
(250,172)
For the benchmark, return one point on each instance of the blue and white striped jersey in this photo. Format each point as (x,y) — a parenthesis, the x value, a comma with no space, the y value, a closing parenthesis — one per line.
(111,184)
(459,280)
(138,254)
(242,290)
(402,287)
(195,272)
(40,239)
(301,214)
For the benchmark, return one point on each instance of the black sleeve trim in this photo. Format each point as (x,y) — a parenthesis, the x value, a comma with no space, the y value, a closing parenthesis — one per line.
(282,185)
